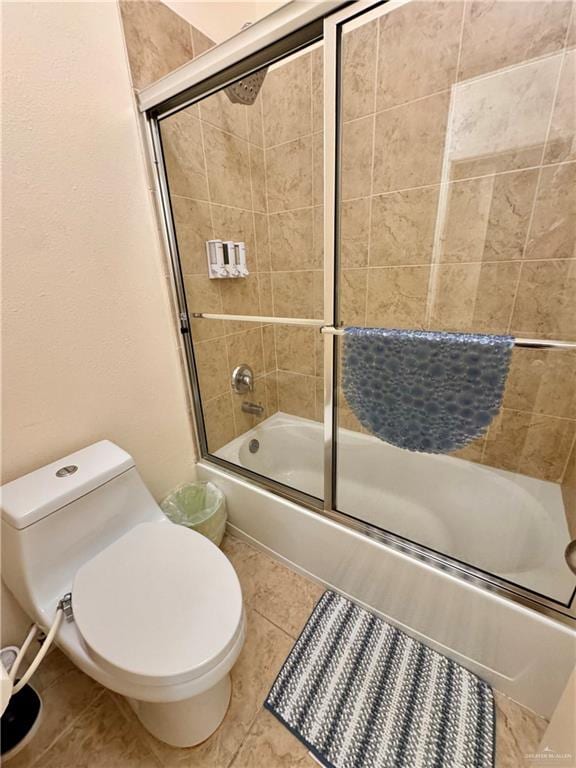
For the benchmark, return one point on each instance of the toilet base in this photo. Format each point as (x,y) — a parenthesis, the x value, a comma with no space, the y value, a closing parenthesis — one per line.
(188,722)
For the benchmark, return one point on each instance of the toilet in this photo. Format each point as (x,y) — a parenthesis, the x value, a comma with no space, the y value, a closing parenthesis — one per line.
(157,612)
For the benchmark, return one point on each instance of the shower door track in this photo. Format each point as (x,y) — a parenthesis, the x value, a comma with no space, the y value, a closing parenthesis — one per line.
(170,95)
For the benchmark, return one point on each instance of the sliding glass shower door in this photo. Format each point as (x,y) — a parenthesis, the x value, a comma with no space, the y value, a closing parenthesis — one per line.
(412,170)
(456,207)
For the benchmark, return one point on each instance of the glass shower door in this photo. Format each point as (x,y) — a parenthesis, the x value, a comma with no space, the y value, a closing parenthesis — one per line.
(456,208)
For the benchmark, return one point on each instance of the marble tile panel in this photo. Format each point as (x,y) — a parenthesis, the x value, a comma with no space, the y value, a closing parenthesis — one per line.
(418,50)
(542,381)
(219,111)
(246,347)
(296,394)
(212,367)
(498,34)
(295,349)
(409,144)
(262,243)
(183,155)
(193,223)
(317,62)
(294,294)
(258,180)
(353,289)
(287,101)
(157,39)
(291,235)
(561,144)
(200,42)
(289,175)
(546,299)
(228,168)
(553,230)
(358,73)
(547,447)
(397,297)
(403,226)
(219,421)
(356,165)
(354,232)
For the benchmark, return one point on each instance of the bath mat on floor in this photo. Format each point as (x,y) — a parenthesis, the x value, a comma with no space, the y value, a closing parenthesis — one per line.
(361,694)
(425,390)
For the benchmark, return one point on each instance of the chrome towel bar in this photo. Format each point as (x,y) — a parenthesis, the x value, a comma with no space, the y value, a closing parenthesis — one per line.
(519,342)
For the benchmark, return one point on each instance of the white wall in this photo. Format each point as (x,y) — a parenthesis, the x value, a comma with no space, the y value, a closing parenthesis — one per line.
(89,350)
(220,19)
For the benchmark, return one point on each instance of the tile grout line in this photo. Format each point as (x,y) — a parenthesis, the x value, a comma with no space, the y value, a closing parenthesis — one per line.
(68,727)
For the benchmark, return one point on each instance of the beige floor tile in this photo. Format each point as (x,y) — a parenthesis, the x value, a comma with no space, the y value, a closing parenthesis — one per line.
(263,654)
(518,732)
(269,587)
(269,744)
(66,693)
(100,738)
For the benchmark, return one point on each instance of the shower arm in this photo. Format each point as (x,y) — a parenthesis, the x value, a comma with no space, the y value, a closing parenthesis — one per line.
(333,331)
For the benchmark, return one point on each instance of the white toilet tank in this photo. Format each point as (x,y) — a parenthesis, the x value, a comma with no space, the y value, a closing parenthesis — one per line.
(58,517)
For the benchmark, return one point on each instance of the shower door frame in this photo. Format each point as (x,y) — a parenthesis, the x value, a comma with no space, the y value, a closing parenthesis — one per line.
(281,37)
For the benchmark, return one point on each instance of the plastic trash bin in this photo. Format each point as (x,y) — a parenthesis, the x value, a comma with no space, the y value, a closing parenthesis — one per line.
(200,506)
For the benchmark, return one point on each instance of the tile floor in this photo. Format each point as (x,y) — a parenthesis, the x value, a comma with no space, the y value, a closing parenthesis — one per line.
(86,726)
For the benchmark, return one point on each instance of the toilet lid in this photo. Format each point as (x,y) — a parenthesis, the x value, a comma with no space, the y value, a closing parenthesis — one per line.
(161,605)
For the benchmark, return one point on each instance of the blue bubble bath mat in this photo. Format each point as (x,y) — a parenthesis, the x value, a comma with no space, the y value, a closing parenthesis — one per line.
(424,390)
(359,693)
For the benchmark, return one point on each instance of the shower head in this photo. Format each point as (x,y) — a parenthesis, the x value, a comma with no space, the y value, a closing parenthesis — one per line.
(246,90)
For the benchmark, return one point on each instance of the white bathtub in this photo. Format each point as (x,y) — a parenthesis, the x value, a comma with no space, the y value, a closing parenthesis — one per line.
(507,524)
(521,652)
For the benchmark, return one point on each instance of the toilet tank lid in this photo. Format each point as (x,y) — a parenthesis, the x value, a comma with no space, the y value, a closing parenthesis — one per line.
(32,497)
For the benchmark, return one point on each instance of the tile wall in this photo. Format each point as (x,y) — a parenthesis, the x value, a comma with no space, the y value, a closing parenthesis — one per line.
(459,197)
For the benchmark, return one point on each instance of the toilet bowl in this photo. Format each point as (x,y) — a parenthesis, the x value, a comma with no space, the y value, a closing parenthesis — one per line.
(157,612)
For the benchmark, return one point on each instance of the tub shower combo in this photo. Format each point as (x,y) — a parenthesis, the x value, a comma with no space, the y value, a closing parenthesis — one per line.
(399,165)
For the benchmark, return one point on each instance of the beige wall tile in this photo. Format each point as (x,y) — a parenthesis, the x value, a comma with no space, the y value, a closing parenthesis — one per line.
(471,452)
(296,394)
(294,294)
(289,175)
(317,254)
(200,42)
(542,381)
(403,225)
(269,348)
(219,421)
(318,168)
(397,297)
(203,295)
(505,439)
(487,219)
(418,51)
(255,124)
(245,347)
(228,168)
(193,225)
(295,349)
(553,230)
(497,34)
(358,70)
(241,297)
(234,224)
(546,299)
(571,36)
(475,298)
(271,384)
(287,101)
(546,448)
(499,123)
(561,145)
(243,422)
(262,243)
(158,40)
(353,288)
(291,236)
(318,399)
(182,143)
(258,180)
(212,367)
(317,62)
(356,165)
(354,232)
(265,291)
(409,144)
(219,111)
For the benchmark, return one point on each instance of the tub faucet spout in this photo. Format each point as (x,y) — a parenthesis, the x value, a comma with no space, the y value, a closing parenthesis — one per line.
(253,408)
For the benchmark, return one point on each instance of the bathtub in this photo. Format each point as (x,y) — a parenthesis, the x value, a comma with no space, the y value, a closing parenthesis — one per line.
(503,523)
(523,653)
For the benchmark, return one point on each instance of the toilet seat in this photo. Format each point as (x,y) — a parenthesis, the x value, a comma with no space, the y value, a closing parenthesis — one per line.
(160,606)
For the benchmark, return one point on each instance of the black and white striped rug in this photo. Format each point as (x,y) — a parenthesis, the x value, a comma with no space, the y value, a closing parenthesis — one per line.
(361,694)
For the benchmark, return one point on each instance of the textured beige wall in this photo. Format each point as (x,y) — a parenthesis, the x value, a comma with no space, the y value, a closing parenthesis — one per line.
(89,349)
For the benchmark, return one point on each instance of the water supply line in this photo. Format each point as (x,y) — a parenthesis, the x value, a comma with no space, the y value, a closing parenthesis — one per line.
(61,611)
